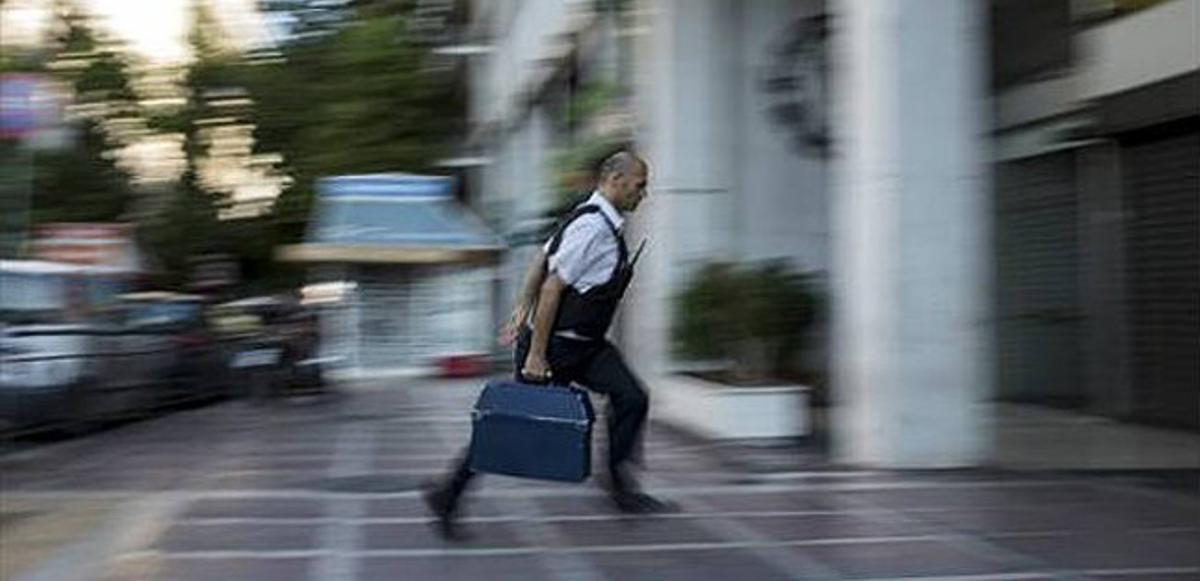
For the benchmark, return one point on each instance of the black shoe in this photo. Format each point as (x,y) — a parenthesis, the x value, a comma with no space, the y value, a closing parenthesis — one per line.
(641,503)
(440,505)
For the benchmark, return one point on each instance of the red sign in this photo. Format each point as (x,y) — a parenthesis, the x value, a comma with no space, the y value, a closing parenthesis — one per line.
(90,244)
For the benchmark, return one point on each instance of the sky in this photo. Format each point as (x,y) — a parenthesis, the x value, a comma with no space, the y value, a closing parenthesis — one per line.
(155,29)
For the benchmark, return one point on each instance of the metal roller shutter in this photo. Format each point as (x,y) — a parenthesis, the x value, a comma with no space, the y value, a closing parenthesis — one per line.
(1039,330)
(385,332)
(1162,189)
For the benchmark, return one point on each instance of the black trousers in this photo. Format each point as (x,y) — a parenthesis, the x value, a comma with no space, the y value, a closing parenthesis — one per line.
(599,367)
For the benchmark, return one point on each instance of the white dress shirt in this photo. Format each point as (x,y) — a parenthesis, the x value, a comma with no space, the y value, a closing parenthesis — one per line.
(588,253)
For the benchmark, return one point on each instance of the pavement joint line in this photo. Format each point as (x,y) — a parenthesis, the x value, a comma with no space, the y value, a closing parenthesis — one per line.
(452,553)
(1178,499)
(1049,534)
(1140,571)
(795,475)
(1165,530)
(540,518)
(301,472)
(1018,576)
(589,549)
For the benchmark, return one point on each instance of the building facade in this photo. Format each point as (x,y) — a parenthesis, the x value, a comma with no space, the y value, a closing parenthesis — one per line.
(1000,198)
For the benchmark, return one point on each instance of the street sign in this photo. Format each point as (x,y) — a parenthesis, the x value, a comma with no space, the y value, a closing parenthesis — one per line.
(23,105)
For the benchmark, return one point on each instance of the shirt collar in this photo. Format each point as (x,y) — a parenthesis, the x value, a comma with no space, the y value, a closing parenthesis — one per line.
(607,208)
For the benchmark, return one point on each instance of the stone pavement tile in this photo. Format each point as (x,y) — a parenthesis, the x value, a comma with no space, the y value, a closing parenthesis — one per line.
(254,508)
(423,536)
(981,496)
(1144,575)
(270,453)
(117,481)
(421,438)
(633,531)
(33,483)
(904,559)
(1147,513)
(190,537)
(1106,550)
(415,507)
(400,450)
(156,461)
(838,526)
(183,569)
(772,501)
(1003,520)
(452,568)
(35,529)
(1189,536)
(268,463)
(306,454)
(413,409)
(488,482)
(584,504)
(715,564)
(1071,492)
(435,463)
(262,479)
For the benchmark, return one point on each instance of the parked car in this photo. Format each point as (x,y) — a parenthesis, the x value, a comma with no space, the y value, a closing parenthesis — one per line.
(66,361)
(194,370)
(44,371)
(256,345)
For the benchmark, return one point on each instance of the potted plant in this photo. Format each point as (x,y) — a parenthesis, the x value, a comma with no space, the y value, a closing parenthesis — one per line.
(739,333)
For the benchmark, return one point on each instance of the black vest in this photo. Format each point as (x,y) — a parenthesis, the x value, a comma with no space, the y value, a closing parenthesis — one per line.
(591,313)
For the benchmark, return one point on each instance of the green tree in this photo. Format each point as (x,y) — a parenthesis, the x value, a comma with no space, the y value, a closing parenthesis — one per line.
(83,182)
(190,223)
(352,95)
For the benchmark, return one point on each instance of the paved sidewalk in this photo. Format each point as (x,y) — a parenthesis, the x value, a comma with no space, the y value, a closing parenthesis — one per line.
(325,491)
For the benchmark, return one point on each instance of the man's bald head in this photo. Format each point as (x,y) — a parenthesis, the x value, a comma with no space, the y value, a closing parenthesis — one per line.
(622,162)
(623,178)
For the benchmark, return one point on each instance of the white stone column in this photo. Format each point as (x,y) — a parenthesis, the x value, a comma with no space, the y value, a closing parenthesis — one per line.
(910,233)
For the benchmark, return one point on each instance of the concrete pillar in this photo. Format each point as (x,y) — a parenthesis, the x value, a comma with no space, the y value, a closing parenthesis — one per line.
(910,220)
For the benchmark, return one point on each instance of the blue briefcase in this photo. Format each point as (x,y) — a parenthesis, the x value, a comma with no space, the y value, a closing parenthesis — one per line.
(532,431)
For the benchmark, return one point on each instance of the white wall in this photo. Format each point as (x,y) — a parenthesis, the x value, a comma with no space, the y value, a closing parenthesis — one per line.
(524,34)
(1152,45)
(781,192)
(725,183)
(1128,52)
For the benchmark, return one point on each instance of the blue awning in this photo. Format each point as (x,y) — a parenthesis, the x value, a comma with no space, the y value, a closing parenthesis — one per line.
(393,218)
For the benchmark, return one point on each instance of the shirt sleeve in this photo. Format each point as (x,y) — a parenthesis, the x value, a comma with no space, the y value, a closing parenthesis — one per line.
(578,251)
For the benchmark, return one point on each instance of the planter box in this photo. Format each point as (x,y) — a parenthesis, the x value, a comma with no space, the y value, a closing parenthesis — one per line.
(721,411)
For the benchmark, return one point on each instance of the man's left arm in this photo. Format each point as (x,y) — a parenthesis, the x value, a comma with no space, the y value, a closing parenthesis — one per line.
(535,366)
